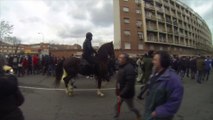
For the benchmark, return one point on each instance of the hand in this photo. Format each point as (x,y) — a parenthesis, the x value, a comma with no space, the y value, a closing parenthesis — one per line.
(154,114)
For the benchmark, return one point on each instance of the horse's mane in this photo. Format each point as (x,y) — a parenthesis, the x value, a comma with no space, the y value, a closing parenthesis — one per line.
(103,50)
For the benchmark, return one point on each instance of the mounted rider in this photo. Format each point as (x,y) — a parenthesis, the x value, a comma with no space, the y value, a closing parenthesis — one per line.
(88,50)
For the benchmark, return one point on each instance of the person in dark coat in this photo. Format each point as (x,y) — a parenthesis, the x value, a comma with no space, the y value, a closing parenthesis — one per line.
(125,85)
(165,90)
(175,64)
(147,72)
(182,67)
(147,66)
(187,66)
(200,69)
(10,96)
(193,68)
(88,50)
(207,68)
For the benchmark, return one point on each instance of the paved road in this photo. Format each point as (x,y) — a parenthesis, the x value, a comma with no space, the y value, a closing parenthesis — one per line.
(85,105)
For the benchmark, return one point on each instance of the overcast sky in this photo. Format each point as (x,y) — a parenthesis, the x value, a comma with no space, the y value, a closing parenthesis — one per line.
(67,21)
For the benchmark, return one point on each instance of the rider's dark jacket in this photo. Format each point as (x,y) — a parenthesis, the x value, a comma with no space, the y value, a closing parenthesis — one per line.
(87,49)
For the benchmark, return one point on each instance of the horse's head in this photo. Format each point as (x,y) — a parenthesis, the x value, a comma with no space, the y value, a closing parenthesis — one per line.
(106,50)
(111,50)
(106,54)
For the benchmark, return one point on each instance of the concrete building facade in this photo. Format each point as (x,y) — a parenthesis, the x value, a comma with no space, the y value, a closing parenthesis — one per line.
(141,25)
(6,48)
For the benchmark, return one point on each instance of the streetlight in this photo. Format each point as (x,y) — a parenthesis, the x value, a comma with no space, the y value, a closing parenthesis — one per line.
(42,36)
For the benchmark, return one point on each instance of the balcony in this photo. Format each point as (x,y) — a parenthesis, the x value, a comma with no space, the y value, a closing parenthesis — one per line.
(175,22)
(160,18)
(152,37)
(162,30)
(169,21)
(179,16)
(170,39)
(159,1)
(166,3)
(180,25)
(176,41)
(167,12)
(173,13)
(150,16)
(152,28)
(176,33)
(161,9)
(149,6)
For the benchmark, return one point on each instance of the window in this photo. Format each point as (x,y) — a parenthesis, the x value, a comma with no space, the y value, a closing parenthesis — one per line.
(140,35)
(151,37)
(140,46)
(139,23)
(127,46)
(138,11)
(127,32)
(125,9)
(126,20)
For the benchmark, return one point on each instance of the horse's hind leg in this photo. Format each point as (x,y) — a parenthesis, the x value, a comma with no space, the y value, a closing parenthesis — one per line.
(99,93)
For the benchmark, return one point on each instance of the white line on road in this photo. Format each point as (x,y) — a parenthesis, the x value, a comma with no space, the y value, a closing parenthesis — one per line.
(61,89)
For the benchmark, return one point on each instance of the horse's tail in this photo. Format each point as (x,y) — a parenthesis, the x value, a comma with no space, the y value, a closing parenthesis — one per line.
(59,73)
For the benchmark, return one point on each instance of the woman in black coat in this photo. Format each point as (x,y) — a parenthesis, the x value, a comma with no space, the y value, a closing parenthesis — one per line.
(10,96)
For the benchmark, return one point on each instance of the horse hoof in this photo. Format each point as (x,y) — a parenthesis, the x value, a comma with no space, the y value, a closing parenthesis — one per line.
(100,94)
(70,94)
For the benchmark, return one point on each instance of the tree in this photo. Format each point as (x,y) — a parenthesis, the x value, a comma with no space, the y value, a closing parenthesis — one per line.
(5,29)
(16,43)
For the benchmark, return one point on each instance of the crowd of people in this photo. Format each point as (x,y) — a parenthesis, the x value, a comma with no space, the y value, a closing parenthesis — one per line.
(33,64)
(161,74)
(194,67)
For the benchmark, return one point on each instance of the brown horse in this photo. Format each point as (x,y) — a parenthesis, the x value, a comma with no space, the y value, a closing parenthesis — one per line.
(74,66)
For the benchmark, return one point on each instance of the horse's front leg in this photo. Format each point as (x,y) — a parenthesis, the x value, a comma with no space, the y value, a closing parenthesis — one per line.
(99,93)
(68,85)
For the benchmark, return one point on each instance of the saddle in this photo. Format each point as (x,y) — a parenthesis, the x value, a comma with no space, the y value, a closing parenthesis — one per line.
(84,62)
(86,68)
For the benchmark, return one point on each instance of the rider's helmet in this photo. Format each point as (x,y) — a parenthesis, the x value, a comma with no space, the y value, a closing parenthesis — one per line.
(89,35)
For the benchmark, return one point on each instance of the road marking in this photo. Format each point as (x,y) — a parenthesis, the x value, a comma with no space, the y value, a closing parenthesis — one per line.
(61,89)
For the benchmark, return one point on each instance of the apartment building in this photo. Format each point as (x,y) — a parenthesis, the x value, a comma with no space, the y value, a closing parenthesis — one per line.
(142,25)
(6,48)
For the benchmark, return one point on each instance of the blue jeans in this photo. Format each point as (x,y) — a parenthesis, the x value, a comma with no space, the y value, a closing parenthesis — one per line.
(206,74)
